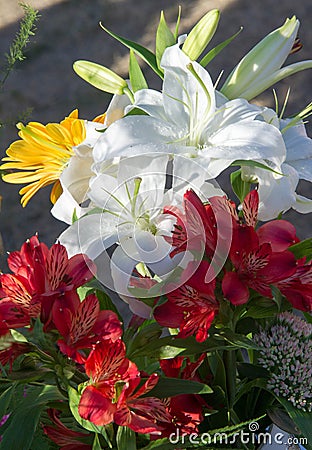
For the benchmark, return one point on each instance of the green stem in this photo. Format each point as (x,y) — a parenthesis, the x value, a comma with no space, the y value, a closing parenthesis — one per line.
(129,93)
(229,359)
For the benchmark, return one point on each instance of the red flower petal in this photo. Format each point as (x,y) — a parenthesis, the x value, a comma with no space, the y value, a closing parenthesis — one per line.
(250,208)
(279,233)
(80,269)
(168,315)
(234,289)
(96,407)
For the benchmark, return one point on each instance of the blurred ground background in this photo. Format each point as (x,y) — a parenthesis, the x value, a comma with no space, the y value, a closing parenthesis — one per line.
(68,30)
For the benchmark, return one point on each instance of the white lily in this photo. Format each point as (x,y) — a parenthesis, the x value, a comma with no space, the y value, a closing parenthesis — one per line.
(185,119)
(277,193)
(129,211)
(261,67)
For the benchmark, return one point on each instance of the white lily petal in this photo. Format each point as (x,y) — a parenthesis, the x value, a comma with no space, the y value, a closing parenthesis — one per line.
(192,173)
(65,207)
(152,249)
(183,95)
(151,102)
(138,307)
(232,112)
(276,193)
(76,176)
(249,141)
(215,166)
(151,168)
(90,234)
(303,204)
(127,137)
(93,132)
(122,266)
(299,149)
(101,188)
(303,167)
(116,109)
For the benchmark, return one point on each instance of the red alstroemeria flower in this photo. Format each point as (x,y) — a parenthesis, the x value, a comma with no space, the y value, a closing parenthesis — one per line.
(143,415)
(14,349)
(260,258)
(112,398)
(52,277)
(62,277)
(85,327)
(189,229)
(298,288)
(191,307)
(201,226)
(64,437)
(15,304)
(186,409)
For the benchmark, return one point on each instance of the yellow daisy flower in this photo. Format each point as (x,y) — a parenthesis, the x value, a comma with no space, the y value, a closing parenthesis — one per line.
(41,155)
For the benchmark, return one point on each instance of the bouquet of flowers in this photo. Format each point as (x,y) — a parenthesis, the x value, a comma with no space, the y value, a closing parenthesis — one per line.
(167,314)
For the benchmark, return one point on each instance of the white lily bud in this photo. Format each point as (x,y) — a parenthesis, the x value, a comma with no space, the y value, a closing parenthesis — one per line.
(202,33)
(100,77)
(260,68)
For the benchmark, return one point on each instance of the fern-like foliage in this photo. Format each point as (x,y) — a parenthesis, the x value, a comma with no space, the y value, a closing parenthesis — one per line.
(27,29)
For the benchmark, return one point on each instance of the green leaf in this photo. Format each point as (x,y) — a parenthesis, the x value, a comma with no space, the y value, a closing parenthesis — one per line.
(201,34)
(308,317)
(139,343)
(236,339)
(125,439)
(26,422)
(220,374)
(302,249)
(74,399)
(251,371)
(216,50)
(301,418)
(176,31)
(169,387)
(240,187)
(164,38)
(160,444)
(25,416)
(5,399)
(84,291)
(261,312)
(264,308)
(249,163)
(280,418)
(18,336)
(136,76)
(244,388)
(136,112)
(107,303)
(169,347)
(141,51)
(277,297)
(100,77)
(96,443)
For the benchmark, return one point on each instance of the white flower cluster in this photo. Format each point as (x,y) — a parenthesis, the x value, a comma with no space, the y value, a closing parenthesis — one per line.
(286,352)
